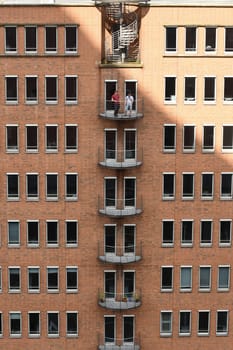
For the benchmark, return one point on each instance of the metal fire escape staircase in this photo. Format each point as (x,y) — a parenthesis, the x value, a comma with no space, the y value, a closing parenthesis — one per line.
(124,34)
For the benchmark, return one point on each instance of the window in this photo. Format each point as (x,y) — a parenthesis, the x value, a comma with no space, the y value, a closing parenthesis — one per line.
(52,186)
(166,323)
(168,186)
(190,42)
(1,328)
(187,232)
(167,278)
(33,233)
(53,323)
(171,39)
(52,233)
(226,186)
(10,39)
(13,233)
(14,279)
(51,94)
(185,323)
(188,186)
(12,142)
(168,233)
(51,39)
(228,89)
(169,138)
(208,138)
(15,324)
(34,324)
(31,138)
(11,89)
(170,89)
(30,39)
(71,233)
(13,186)
(203,322)
(71,191)
(71,95)
(32,186)
(51,138)
(71,323)
(185,278)
(228,39)
(71,279)
(210,39)
(52,279)
(227,144)
(222,323)
(190,89)
(189,138)
(31,94)
(0,291)
(206,232)
(71,138)
(223,278)
(204,278)
(33,279)
(70,39)
(225,233)
(209,89)
(207,186)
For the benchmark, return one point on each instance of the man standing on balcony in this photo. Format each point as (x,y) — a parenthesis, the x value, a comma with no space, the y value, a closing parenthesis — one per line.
(129,100)
(116,100)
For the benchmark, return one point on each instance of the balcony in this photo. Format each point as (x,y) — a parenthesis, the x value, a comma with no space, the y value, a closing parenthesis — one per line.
(119,254)
(118,159)
(107,109)
(119,301)
(119,208)
(107,343)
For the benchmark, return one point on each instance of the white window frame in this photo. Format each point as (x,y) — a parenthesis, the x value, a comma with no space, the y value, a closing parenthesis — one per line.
(182,289)
(52,290)
(190,150)
(186,244)
(28,101)
(211,52)
(74,197)
(33,245)
(73,150)
(50,52)
(172,278)
(53,335)
(10,289)
(171,52)
(31,335)
(227,100)
(1,324)
(54,101)
(33,290)
(29,150)
(227,52)
(206,244)
(52,245)
(75,51)
(17,335)
(172,100)
(51,198)
(203,334)
(194,51)
(16,100)
(164,244)
(227,150)
(226,197)
(10,198)
(0,282)
(209,197)
(206,288)
(206,150)
(225,333)
(73,335)
(32,198)
(70,245)
(30,52)
(74,101)
(167,150)
(55,149)
(9,52)
(213,101)
(16,148)
(185,334)
(168,333)
(222,289)
(227,244)
(191,100)
(71,290)
(169,197)
(186,198)
(13,245)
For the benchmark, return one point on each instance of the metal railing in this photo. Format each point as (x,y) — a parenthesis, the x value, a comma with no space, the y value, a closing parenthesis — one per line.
(127,343)
(109,110)
(119,254)
(113,158)
(120,207)
(119,301)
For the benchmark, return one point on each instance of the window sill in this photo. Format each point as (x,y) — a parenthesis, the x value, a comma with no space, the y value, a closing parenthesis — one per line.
(170,102)
(53,291)
(190,102)
(32,150)
(33,336)
(188,198)
(71,199)
(224,245)
(223,290)
(71,151)
(206,198)
(208,150)
(203,334)
(12,103)
(51,102)
(192,150)
(12,151)
(29,103)
(13,199)
(185,334)
(71,245)
(209,102)
(72,291)
(188,290)
(72,335)
(223,334)
(167,245)
(205,245)
(70,103)
(186,245)
(32,199)
(169,151)
(171,198)
(53,335)
(165,335)
(32,291)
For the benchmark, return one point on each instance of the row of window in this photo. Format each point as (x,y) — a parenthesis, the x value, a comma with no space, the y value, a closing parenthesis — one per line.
(203,322)
(34,279)
(51,41)
(50,86)
(52,233)
(51,186)
(187,232)
(34,323)
(191,35)
(204,279)
(190,90)
(207,186)
(32,138)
